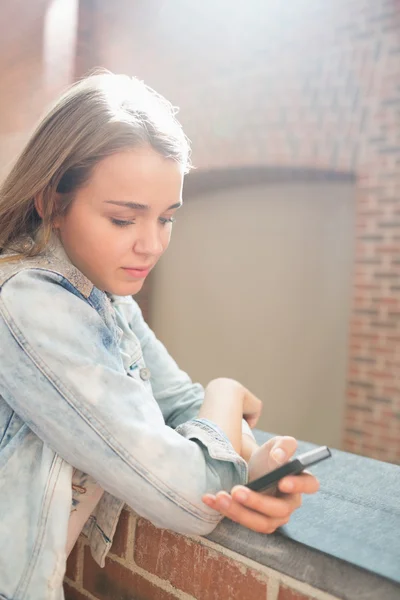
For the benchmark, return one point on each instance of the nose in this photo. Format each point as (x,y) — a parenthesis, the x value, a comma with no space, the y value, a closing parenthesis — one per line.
(149,239)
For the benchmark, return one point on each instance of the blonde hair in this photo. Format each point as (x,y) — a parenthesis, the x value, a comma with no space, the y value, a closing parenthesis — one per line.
(102,114)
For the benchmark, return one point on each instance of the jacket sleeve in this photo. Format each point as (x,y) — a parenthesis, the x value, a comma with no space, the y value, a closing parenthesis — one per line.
(178,397)
(62,373)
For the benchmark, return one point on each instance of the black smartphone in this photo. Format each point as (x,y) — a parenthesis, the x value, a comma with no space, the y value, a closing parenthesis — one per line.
(295,466)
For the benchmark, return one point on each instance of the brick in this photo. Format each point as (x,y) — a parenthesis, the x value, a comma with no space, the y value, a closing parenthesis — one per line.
(393,338)
(351,431)
(73,594)
(119,583)
(286,593)
(379,399)
(376,425)
(388,249)
(361,384)
(353,407)
(380,375)
(383,324)
(363,359)
(386,300)
(120,541)
(349,444)
(374,451)
(380,350)
(365,336)
(194,568)
(395,391)
(354,371)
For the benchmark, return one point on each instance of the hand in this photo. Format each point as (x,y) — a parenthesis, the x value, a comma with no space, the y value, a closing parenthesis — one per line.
(225,402)
(226,390)
(257,511)
(274,453)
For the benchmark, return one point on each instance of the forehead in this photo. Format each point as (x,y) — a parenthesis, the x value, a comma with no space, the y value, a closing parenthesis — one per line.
(139,172)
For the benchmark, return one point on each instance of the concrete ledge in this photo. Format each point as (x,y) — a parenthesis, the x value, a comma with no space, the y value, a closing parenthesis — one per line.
(345,540)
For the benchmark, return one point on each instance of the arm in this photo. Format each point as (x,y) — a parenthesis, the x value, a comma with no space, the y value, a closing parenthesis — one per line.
(177,396)
(82,404)
(225,402)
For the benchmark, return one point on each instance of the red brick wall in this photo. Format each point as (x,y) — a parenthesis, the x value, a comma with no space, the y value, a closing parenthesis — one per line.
(155,564)
(20,74)
(36,63)
(305,84)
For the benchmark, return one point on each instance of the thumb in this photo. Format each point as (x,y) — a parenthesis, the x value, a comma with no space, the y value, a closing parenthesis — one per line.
(282,451)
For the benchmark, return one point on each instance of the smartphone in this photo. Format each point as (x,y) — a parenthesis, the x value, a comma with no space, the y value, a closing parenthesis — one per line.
(268,483)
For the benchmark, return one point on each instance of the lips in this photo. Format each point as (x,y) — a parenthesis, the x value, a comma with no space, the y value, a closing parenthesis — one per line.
(137,272)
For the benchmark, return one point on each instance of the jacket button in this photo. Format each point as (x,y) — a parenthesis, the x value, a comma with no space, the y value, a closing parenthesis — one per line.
(144,374)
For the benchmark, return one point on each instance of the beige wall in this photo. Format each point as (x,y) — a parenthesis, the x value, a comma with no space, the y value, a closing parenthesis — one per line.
(256,286)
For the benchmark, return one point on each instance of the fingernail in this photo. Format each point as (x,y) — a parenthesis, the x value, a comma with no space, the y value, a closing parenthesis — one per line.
(224,502)
(279,455)
(241,496)
(209,499)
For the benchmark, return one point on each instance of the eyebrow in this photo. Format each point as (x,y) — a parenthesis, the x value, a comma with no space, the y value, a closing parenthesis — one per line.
(137,206)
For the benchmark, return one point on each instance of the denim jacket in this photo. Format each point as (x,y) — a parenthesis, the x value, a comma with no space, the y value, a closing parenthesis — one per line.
(84,383)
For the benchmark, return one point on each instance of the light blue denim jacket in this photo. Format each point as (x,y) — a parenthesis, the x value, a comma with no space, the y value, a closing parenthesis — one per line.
(84,382)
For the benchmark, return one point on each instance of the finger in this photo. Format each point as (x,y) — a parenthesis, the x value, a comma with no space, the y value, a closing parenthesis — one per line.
(268,505)
(305,483)
(228,507)
(274,506)
(282,450)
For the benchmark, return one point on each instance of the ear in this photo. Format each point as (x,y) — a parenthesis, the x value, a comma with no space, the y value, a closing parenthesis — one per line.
(40,210)
(39,205)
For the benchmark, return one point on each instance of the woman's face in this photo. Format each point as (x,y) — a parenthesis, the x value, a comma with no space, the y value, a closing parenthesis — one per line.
(119,223)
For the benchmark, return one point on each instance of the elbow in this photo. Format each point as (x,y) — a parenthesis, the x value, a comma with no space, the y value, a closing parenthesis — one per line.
(208,527)
(187,518)
(196,525)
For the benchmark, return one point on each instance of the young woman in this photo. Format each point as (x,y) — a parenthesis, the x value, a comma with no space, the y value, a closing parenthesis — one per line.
(94,413)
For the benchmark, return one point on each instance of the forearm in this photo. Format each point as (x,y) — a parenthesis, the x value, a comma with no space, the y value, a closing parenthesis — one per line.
(249,445)
(223,404)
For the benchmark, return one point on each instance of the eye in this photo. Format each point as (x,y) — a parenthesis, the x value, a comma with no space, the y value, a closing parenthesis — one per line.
(164,221)
(120,223)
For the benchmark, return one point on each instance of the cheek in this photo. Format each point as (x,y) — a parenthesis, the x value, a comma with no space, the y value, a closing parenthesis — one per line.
(166,237)
(89,235)
(76,223)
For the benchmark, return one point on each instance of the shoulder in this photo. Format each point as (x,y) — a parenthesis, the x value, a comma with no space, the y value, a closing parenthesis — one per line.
(40,299)
(46,267)
(48,294)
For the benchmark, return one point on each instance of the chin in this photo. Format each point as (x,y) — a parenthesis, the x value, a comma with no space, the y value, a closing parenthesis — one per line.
(125,289)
